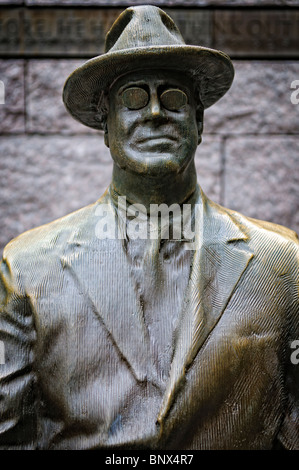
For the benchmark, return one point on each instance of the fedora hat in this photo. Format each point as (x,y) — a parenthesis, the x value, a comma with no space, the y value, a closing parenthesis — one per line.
(144,37)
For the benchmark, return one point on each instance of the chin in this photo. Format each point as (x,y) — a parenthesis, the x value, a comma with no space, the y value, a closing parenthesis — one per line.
(154,164)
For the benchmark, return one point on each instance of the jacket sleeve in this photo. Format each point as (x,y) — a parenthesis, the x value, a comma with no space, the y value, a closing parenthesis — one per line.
(289,431)
(17,379)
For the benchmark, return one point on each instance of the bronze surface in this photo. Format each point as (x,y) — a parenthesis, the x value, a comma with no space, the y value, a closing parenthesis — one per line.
(160,341)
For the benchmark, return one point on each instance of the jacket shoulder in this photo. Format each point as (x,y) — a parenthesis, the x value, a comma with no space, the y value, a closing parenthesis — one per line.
(275,243)
(252,226)
(268,239)
(51,237)
(276,229)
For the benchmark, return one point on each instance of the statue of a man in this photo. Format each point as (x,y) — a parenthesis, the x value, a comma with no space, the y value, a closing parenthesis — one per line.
(124,331)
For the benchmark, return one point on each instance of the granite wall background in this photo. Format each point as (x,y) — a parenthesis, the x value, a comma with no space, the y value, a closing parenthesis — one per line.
(51,165)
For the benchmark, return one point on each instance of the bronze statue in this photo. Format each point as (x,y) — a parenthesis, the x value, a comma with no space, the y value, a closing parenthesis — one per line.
(123,332)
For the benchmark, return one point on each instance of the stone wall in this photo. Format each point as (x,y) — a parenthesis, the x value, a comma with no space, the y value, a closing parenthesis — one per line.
(248,160)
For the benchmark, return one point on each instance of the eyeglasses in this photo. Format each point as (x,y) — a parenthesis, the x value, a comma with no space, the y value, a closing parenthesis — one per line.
(137,98)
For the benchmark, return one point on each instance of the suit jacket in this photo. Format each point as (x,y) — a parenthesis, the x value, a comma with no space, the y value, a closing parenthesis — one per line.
(78,372)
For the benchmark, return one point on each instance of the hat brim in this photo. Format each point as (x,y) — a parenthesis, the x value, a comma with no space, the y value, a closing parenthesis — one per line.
(212,69)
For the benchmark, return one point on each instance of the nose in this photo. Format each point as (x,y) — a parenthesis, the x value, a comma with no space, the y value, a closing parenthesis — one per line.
(155,106)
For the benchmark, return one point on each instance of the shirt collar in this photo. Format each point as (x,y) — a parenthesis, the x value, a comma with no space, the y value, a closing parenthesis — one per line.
(180,222)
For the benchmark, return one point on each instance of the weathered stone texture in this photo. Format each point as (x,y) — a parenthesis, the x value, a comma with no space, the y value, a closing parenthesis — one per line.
(67,31)
(259,100)
(262,178)
(46,112)
(52,32)
(162,3)
(257,32)
(12,112)
(11,2)
(45,177)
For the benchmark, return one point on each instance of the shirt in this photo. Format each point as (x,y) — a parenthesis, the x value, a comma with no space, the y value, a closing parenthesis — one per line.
(160,269)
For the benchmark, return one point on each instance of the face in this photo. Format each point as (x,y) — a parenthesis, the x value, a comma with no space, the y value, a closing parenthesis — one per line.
(152,127)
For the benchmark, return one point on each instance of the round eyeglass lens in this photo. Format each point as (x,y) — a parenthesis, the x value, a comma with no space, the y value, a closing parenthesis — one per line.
(135,98)
(173,99)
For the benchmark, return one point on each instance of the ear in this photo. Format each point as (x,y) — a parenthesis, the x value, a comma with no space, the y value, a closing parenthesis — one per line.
(199,119)
(106,137)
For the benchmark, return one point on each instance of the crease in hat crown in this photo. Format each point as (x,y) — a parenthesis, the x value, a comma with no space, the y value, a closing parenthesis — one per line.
(152,27)
(144,37)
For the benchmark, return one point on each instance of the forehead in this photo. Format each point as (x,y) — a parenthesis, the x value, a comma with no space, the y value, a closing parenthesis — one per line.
(153,78)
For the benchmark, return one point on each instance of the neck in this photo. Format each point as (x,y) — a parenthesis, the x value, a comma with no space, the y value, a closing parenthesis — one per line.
(146,190)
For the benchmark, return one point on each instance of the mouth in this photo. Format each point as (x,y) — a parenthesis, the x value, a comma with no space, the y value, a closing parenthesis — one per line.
(156,138)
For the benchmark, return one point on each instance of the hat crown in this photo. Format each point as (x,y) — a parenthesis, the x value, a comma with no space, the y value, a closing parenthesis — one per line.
(142,26)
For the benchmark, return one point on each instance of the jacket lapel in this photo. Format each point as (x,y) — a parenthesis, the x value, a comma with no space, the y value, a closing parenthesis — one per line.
(102,274)
(221,256)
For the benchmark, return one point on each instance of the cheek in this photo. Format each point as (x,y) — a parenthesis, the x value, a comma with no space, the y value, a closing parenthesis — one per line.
(119,137)
(121,127)
(189,129)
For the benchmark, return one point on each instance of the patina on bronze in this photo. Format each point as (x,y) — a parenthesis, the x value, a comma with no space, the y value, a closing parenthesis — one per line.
(161,341)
